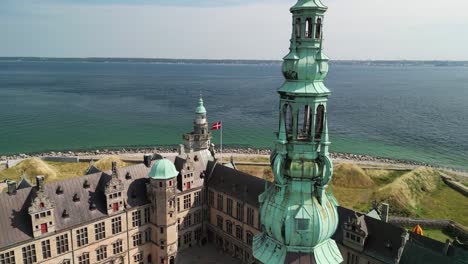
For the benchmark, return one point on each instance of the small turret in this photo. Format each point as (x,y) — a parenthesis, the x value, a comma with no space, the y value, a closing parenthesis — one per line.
(199,138)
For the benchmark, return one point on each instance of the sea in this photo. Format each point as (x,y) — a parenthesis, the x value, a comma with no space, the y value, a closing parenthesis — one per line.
(408,112)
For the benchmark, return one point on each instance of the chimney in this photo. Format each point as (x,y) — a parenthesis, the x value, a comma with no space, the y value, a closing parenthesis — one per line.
(448,243)
(181,149)
(11,187)
(384,214)
(147,160)
(40,182)
(114,169)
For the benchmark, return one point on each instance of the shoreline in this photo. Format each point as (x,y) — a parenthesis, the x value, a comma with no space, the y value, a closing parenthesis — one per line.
(227,153)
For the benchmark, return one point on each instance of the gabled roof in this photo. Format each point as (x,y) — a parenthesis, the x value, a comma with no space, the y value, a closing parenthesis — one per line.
(240,185)
(383,240)
(15,221)
(92,169)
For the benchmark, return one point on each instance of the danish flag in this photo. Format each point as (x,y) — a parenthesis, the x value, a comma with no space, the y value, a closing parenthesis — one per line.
(216,126)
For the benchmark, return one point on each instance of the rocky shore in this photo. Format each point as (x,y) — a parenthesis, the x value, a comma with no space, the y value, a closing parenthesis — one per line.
(247,151)
(227,151)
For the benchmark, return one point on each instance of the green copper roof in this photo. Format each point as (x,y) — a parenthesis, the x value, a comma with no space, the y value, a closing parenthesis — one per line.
(163,169)
(304,4)
(200,108)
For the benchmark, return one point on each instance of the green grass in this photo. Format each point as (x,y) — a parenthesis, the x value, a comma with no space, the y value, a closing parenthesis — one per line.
(436,234)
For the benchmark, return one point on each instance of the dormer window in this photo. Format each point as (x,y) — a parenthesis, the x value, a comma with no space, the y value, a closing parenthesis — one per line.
(128,176)
(318,28)
(86,184)
(65,214)
(76,197)
(302,224)
(59,190)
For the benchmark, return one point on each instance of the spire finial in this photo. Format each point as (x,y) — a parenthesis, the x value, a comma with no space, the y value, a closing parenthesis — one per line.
(200,108)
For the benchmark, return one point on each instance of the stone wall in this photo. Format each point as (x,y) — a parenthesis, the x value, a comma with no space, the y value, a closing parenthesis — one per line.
(454,184)
(452,228)
(62,159)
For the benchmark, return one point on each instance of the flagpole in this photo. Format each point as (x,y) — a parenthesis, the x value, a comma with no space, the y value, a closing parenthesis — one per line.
(221,141)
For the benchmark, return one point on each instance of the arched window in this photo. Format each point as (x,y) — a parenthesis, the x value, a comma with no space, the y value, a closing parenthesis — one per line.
(308,28)
(304,124)
(298,27)
(288,118)
(319,122)
(318,28)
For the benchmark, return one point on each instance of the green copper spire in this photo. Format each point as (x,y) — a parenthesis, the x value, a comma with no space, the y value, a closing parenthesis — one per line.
(200,108)
(298,215)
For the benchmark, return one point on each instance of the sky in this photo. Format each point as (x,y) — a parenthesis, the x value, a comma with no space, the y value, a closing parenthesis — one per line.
(230,29)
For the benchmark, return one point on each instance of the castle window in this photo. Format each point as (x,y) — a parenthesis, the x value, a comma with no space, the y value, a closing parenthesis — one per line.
(137,239)
(197,199)
(76,197)
(29,254)
(116,225)
(288,118)
(62,243)
(100,231)
(187,220)
(188,238)
(8,257)
(211,198)
(250,216)
(229,206)
(59,190)
(160,184)
(198,234)
(101,253)
(220,202)
(319,116)
(318,28)
(178,204)
(45,244)
(239,232)
(249,238)
(197,217)
(187,201)
(239,211)
(302,224)
(41,205)
(138,258)
(229,227)
(147,214)
(148,235)
(219,222)
(170,183)
(117,247)
(298,27)
(136,218)
(84,258)
(308,28)
(82,236)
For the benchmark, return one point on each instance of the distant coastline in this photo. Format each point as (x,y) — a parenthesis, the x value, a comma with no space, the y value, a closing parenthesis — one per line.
(434,63)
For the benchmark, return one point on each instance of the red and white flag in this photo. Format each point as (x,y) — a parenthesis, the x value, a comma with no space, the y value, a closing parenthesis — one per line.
(216,126)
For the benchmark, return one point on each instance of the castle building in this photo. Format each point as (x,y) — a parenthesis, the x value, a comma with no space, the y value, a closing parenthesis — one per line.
(150,212)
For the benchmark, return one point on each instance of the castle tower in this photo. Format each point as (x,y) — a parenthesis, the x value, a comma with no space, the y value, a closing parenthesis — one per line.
(199,139)
(162,193)
(298,215)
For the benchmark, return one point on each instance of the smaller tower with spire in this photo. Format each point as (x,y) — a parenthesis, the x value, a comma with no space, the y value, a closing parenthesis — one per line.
(199,138)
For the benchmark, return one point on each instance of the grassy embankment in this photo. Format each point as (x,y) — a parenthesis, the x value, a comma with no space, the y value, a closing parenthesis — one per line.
(56,171)
(414,193)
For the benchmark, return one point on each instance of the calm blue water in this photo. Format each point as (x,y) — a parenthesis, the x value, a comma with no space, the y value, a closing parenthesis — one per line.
(416,113)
